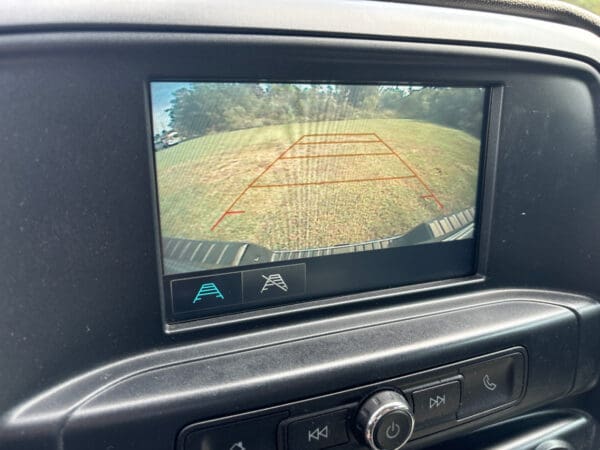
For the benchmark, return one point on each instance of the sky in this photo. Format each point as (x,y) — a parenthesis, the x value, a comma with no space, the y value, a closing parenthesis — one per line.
(161,93)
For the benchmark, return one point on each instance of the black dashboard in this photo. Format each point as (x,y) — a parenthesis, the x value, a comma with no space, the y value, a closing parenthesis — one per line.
(468,319)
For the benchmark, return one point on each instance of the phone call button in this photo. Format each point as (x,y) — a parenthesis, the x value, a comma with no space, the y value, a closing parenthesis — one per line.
(492,384)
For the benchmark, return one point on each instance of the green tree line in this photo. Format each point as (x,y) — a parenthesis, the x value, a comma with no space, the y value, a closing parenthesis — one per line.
(206,108)
(592,5)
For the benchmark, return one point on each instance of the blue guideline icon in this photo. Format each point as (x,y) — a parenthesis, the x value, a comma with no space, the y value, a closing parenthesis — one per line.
(208,289)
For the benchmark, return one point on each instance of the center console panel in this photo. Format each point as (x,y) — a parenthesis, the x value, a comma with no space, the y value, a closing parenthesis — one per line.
(459,362)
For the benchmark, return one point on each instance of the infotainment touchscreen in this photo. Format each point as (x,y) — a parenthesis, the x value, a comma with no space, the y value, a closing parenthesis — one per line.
(290,191)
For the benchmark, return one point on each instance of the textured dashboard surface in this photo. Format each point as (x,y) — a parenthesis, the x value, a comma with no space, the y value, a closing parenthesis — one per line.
(362,18)
(552,10)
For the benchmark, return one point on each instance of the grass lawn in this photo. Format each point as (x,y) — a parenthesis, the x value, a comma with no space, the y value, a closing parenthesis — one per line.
(199,179)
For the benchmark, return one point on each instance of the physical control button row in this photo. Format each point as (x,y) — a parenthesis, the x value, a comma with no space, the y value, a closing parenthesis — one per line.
(385,420)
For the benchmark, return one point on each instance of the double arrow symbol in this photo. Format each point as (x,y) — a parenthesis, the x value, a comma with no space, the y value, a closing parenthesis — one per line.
(436,402)
(318,433)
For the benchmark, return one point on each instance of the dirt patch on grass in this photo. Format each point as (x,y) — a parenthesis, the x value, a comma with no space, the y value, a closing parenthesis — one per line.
(321,194)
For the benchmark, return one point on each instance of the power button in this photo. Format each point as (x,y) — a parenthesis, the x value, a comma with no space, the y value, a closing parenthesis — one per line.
(385,420)
(392,429)
(389,432)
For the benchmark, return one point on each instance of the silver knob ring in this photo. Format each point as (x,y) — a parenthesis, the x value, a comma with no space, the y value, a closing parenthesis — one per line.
(379,414)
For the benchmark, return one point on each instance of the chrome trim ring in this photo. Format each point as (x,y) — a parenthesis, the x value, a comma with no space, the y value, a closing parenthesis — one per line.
(400,405)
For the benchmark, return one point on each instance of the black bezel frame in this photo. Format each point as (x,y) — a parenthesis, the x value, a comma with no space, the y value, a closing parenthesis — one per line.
(483,209)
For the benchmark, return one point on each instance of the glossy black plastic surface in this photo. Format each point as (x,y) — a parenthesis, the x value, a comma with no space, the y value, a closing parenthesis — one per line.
(559,429)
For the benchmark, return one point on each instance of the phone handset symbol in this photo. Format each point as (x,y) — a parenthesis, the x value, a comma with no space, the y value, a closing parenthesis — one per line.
(487,383)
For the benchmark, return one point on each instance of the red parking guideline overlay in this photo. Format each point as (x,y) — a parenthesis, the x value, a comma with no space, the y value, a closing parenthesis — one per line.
(337,139)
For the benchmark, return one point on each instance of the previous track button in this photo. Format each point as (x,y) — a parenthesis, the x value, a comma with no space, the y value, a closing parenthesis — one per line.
(270,283)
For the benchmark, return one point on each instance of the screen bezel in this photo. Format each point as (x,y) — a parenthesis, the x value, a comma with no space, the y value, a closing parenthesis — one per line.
(489,135)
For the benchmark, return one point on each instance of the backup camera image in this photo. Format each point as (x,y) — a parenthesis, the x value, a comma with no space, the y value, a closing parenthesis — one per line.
(250,173)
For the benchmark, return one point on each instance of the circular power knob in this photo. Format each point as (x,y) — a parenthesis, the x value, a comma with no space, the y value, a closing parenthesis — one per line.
(385,421)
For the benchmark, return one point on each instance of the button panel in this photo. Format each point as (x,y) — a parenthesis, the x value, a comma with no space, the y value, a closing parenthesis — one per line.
(438,399)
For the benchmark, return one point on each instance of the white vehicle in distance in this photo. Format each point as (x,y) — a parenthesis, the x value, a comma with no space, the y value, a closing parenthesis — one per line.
(171,139)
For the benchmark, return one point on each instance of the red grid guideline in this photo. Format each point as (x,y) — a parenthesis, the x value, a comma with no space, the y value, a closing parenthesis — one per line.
(340,139)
